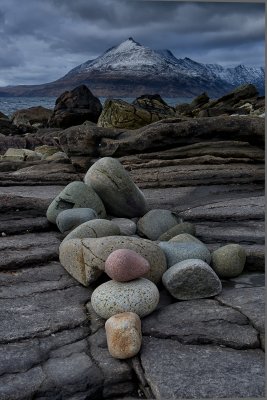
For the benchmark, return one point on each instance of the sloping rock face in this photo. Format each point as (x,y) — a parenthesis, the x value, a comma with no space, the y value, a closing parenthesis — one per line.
(143,111)
(75,107)
(30,116)
(244,100)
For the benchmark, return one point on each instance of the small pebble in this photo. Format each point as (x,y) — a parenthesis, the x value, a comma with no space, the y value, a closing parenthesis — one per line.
(228,261)
(124,336)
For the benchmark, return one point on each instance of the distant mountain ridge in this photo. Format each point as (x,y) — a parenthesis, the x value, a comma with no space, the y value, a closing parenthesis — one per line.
(131,69)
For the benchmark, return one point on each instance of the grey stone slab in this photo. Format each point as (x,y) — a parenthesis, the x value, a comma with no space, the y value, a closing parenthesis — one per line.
(28,281)
(176,371)
(249,301)
(201,322)
(116,372)
(23,355)
(43,313)
(235,209)
(246,279)
(23,250)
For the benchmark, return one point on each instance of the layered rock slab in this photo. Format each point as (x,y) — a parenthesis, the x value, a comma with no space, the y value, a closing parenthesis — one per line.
(218,372)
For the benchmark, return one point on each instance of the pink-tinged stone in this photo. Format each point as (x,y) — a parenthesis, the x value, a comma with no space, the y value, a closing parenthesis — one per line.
(124,265)
(124,336)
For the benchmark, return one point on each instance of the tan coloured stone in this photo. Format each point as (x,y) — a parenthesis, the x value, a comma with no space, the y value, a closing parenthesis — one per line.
(88,262)
(124,336)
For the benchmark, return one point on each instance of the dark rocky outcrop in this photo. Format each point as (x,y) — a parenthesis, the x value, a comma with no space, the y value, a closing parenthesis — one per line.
(37,116)
(143,111)
(74,107)
(244,100)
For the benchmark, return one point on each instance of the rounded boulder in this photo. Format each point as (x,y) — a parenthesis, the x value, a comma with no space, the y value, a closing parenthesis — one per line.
(94,229)
(228,261)
(140,296)
(75,195)
(70,219)
(191,279)
(124,336)
(113,184)
(176,252)
(124,265)
(155,222)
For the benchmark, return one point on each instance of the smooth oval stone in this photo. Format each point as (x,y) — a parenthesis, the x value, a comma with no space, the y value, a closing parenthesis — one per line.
(155,222)
(186,238)
(75,195)
(124,265)
(93,229)
(140,296)
(85,259)
(124,335)
(122,198)
(228,261)
(126,225)
(176,252)
(183,227)
(191,279)
(70,219)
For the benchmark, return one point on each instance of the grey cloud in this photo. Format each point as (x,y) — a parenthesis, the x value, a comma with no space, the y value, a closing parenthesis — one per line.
(45,39)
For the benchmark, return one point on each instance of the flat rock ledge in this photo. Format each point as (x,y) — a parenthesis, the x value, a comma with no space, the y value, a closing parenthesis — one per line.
(53,347)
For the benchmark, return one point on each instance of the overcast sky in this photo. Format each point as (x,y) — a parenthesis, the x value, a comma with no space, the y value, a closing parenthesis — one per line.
(41,40)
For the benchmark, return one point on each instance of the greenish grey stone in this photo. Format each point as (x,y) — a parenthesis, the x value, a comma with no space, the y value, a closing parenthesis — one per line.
(94,229)
(155,222)
(70,219)
(185,238)
(228,261)
(176,252)
(113,184)
(140,296)
(191,279)
(183,227)
(126,225)
(75,195)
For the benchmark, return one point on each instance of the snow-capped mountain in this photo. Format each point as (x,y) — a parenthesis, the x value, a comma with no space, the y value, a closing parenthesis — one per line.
(130,70)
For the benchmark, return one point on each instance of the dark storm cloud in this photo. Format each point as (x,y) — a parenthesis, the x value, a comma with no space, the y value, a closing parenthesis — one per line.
(42,40)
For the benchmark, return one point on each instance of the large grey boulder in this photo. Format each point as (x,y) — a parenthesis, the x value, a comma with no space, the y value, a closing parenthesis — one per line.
(191,279)
(140,296)
(85,259)
(75,195)
(113,184)
(176,252)
(30,116)
(74,107)
(94,229)
(70,219)
(155,222)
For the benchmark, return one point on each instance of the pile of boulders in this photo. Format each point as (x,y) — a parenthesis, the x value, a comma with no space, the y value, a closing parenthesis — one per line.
(109,231)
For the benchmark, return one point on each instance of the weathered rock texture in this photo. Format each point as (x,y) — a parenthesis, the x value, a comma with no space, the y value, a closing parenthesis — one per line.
(75,107)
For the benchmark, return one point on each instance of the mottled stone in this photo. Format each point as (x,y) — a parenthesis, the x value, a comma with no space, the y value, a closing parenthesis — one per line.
(185,238)
(94,229)
(70,219)
(113,184)
(140,296)
(85,259)
(156,222)
(124,336)
(124,265)
(183,227)
(176,252)
(126,225)
(191,279)
(228,261)
(75,195)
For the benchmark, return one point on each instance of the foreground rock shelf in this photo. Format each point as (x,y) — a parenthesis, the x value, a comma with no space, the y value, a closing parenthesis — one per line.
(51,345)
